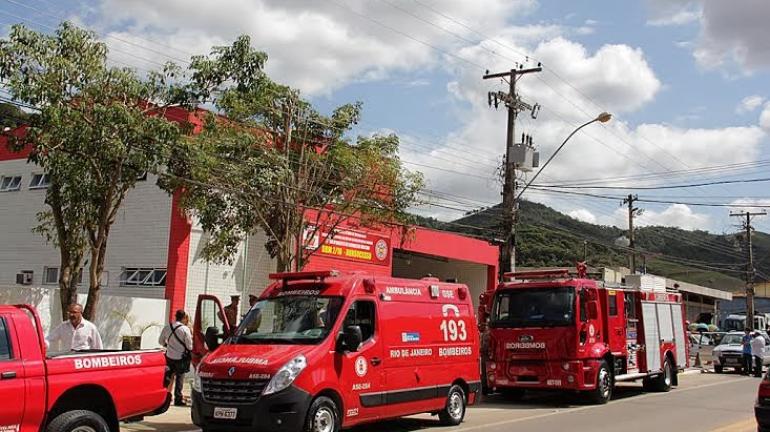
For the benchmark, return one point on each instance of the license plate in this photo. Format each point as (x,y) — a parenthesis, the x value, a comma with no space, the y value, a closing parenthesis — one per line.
(226,413)
(731,361)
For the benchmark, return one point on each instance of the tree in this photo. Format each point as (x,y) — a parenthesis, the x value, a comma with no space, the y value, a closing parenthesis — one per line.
(277,165)
(99,128)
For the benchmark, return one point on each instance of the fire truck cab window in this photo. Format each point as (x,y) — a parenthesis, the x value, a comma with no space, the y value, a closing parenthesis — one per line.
(612,301)
(5,346)
(534,307)
(361,313)
(583,305)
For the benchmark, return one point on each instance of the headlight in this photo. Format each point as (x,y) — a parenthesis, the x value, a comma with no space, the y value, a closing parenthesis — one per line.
(286,375)
(196,383)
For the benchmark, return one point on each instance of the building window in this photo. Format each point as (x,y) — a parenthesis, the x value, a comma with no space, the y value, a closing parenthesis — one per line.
(40,181)
(12,183)
(149,277)
(51,276)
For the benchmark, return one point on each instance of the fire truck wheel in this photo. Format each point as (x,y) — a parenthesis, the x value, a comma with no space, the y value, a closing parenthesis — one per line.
(604,384)
(454,409)
(78,421)
(323,416)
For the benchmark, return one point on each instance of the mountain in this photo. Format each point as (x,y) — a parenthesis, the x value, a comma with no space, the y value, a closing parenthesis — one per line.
(546,237)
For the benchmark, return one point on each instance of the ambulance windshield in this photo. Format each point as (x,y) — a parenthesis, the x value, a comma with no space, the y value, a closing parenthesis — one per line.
(296,319)
(534,307)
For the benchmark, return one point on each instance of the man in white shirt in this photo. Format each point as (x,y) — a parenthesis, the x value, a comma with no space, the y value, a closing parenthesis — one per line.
(75,334)
(757,352)
(177,338)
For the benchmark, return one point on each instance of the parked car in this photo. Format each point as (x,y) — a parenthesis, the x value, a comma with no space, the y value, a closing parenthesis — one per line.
(323,351)
(72,392)
(729,352)
(762,405)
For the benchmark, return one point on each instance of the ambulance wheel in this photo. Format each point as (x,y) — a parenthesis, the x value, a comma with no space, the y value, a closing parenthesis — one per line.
(78,421)
(454,409)
(604,384)
(323,416)
(718,369)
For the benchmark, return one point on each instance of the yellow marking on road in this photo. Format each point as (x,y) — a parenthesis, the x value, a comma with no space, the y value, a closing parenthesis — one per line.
(748,425)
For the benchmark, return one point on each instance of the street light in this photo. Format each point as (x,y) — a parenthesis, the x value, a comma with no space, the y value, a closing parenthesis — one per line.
(602,118)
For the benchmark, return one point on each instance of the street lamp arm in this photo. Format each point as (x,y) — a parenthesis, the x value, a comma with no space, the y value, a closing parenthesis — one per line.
(603,117)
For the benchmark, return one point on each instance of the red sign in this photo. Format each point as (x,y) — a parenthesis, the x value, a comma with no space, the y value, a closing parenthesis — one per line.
(351,245)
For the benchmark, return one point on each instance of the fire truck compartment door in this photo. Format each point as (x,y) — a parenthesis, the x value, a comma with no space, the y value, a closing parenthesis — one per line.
(681,354)
(651,336)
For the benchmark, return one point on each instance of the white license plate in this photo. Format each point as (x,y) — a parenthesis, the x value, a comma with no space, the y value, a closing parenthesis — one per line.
(731,361)
(226,413)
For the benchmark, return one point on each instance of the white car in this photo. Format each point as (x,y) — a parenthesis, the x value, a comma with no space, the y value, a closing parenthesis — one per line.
(729,352)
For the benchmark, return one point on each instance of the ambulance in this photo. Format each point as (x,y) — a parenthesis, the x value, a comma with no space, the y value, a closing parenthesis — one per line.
(321,351)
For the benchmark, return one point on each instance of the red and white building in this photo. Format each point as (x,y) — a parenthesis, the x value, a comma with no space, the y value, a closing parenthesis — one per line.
(154,250)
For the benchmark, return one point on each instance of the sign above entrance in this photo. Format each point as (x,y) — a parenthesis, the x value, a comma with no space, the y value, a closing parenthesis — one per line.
(350,245)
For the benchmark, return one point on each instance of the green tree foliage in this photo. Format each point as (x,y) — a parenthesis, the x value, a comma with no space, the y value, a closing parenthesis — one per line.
(278,165)
(95,135)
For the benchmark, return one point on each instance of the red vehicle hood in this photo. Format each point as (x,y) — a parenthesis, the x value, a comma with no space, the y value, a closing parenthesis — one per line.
(553,343)
(246,361)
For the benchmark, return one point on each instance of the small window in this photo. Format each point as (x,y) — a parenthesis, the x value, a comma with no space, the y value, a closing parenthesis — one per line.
(51,275)
(39,181)
(5,342)
(612,300)
(12,183)
(150,277)
(361,313)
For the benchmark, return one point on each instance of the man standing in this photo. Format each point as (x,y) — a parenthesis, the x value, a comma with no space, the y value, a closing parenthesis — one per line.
(758,351)
(231,311)
(177,339)
(75,334)
(746,342)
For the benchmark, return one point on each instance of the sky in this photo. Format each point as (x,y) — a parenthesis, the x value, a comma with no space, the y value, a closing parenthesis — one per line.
(685,80)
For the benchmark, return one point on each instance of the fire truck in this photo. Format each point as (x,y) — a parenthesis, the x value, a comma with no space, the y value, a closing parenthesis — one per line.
(551,330)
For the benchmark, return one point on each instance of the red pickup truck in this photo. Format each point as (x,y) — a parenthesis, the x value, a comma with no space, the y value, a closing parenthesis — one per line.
(76,391)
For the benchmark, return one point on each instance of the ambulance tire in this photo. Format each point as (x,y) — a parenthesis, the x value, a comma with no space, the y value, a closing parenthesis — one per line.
(323,416)
(78,420)
(454,409)
(604,385)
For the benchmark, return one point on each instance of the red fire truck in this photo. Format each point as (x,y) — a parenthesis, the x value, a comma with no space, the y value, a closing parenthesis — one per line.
(549,330)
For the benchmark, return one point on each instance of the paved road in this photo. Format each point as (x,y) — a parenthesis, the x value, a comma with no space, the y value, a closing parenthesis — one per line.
(702,403)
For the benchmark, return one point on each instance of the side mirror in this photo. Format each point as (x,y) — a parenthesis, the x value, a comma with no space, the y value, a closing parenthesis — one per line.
(212,338)
(350,339)
(593,310)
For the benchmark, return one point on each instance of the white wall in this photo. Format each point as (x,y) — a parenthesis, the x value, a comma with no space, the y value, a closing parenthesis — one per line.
(224,280)
(418,266)
(116,316)
(139,237)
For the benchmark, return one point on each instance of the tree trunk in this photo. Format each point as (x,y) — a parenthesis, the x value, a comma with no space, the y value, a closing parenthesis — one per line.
(95,271)
(68,289)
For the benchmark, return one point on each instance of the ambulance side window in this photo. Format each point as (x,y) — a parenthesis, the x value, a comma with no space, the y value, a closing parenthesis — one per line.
(362,314)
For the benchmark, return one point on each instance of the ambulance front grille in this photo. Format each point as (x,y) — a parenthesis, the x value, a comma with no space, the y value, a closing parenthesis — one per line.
(232,391)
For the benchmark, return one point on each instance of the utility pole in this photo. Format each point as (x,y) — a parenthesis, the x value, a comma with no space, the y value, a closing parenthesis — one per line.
(750,271)
(514,105)
(632,211)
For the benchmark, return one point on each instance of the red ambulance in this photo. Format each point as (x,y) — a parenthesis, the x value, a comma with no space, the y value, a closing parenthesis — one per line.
(322,351)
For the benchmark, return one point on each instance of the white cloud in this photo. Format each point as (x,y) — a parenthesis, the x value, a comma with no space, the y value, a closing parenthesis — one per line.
(673,12)
(315,46)
(676,215)
(764,117)
(749,104)
(583,215)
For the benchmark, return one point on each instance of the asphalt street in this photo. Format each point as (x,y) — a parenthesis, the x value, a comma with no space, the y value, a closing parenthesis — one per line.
(704,402)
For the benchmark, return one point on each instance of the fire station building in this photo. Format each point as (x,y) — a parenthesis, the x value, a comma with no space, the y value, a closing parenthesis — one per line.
(154,250)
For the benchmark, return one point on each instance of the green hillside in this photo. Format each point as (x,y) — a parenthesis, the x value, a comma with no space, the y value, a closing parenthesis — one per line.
(546,237)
